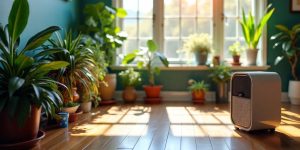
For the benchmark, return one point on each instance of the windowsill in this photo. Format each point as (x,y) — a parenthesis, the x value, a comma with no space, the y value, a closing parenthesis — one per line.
(197,68)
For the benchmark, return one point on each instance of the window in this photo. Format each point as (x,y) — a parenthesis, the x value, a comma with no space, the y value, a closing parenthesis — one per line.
(170,22)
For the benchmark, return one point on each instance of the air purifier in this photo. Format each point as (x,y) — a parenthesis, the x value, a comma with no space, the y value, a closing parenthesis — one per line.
(255,100)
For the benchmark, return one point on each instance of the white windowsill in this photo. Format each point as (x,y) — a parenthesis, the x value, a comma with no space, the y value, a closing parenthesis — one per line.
(196,68)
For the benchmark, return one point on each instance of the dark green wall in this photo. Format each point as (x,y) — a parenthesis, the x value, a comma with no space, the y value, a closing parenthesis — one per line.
(284,16)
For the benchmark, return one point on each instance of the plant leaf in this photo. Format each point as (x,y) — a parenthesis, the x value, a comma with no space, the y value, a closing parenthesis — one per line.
(18,18)
(121,13)
(24,111)
(278,59)
(273,37)
(163,59)
(14,84)
(151,46)
(129,58)
(23,62)
(40,38)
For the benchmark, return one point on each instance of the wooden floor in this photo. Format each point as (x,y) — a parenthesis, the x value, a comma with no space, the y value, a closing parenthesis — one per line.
(171,126)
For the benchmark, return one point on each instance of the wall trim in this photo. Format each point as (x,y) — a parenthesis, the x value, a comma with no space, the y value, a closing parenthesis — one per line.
(184,96)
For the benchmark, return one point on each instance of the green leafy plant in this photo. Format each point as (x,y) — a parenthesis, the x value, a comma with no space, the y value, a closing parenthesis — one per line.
(146,59)
(198,43)
(220,74)
(236,49)
(70,104)
(288,39)
(130,77)
(24,78)
(252,31)
(195,86)
(100,24)
(80,71)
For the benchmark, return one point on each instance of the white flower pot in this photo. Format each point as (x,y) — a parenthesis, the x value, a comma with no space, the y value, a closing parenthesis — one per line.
(70,109)
(251,56)
(86,107)
(294,92)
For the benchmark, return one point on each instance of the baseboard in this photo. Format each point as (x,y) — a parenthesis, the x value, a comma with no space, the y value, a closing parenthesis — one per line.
(184,96)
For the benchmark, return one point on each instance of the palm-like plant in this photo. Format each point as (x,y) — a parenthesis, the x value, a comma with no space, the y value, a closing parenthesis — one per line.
(80,71)
(24,78)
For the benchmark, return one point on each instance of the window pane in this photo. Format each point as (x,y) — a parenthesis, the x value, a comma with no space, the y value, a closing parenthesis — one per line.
(230,7)
(204,26)
(171,8)
(130,27)
(130,45)
(226,48)
(230,26)
(172,27)
(146,28)
(205,8)
(131,6)
(145,8)
(171,47)
(247,5)
(188,7)
(188,26)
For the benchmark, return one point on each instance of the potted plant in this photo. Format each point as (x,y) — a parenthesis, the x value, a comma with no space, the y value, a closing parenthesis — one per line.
(235,50)
(146,59)
(200,45)
(130,79)
(101,27)
(80,72)
(221,75)
(252,32)
(198,90)
(288,39)
(25,86)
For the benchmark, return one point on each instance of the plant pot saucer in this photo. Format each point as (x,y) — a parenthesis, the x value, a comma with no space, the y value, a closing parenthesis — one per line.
(198,101)
(152,100)
(236,64)
(107,102)
(25,144)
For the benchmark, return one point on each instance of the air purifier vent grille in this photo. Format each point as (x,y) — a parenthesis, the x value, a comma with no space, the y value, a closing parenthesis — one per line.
(241,111)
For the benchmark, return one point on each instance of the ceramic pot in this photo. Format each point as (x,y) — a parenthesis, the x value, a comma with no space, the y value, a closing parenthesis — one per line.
(293,93)
(86,106)
(12,132)
(70,109)
(201,58)
(129,94)
(107,91)
(152,91)
(251,56)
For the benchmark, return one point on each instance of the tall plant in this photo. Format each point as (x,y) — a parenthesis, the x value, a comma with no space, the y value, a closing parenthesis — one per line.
(146,59)
(252,31)
(100,24)
(23,78)
(288,39)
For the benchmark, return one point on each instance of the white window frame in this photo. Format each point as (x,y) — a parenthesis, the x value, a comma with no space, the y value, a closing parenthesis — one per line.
(218,27)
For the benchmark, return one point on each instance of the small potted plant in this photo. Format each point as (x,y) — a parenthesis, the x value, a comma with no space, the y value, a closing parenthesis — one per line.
(235,50)
(198,90)
(147,57)
(200,45)
(130,79)
(221,75)
(252,32)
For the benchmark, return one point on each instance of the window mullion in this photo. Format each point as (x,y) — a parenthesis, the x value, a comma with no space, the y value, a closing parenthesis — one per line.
(218,27)
(158,23)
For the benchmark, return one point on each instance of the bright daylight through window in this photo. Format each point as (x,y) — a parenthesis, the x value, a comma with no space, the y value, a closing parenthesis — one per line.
(171,22)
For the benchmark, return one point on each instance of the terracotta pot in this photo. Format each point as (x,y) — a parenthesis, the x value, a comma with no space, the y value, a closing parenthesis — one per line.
(129,94)
(107,92)
(236,60)
(86,106)
(12,132)
(152,91)
(74,116)
(216,61)
(251,56)
(201,58)
(198,96)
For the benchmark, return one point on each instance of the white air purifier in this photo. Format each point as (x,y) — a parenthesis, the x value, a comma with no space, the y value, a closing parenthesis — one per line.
(255,100)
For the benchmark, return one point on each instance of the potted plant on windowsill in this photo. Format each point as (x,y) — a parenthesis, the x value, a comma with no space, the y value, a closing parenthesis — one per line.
(221,75)
(25,86)
(288,39)
(198,90)
(147,58)
(252,33)
(199,45)
(130,79)
(100,25)
(235,50)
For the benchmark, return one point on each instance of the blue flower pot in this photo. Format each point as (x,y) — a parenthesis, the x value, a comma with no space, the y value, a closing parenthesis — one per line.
(63,123)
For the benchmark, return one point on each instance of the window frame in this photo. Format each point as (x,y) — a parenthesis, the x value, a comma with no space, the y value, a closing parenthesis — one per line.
(218,21)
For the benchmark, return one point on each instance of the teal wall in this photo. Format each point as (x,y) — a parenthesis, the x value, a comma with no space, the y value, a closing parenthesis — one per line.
(284,16)
(44,13)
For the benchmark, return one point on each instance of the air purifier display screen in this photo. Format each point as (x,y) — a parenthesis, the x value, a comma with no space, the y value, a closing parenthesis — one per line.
(241,86)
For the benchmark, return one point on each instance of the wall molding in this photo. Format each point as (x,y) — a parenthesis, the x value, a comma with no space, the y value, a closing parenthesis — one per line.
(184,96)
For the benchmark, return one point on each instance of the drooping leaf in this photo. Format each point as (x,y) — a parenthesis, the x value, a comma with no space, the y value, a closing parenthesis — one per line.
(273,37)
(278,59)
(22,62)
(14,84)
(18,18)
(151,46)
(45,68)
(129,58)
(40,38)
(163,59)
